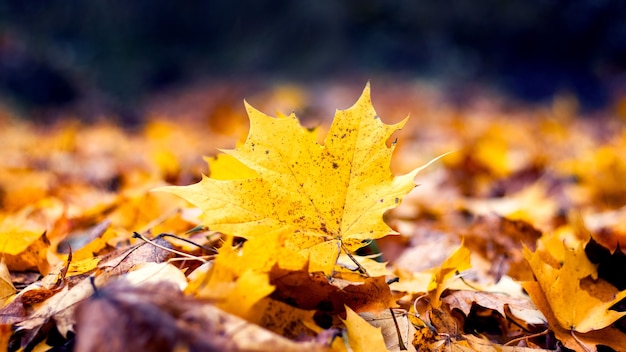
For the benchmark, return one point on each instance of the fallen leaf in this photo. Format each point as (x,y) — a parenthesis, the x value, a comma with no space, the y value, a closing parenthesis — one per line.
(482,344)
(607,336)
(463,300)
(362,336)
(500,241)
(6,284)
(91,242)
(411,283)
(23,242)
(158,317)
(457,262)
(122,260)
(121,317)
(314,291)
(284,319)
(336,192)
(239,277)
(397,337)
(581,310)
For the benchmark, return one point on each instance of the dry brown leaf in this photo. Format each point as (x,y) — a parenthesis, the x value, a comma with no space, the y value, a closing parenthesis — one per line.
(122,260)
(500,241)
(313,291)
(158,317)
(463,300)
(478,344)
(393,334)
(285,320)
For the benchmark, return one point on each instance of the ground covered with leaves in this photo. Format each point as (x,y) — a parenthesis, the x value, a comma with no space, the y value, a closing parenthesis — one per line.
(307,233)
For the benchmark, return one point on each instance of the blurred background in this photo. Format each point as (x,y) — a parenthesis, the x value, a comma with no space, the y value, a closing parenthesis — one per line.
(55,54)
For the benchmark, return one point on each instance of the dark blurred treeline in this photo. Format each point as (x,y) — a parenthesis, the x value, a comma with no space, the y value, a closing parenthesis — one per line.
(56,52)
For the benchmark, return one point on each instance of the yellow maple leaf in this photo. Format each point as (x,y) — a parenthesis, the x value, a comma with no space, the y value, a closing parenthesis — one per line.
(361,335)
(329,196)
(442,277)
(23,244)
(575,307)
(234,281)
(240,277)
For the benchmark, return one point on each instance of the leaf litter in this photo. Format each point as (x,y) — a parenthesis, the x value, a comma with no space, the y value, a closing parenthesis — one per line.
(316,238)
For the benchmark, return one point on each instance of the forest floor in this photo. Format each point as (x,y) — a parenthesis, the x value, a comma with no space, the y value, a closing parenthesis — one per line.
(511,241)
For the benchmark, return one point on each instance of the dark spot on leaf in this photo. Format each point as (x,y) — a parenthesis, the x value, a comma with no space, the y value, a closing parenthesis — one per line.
(397,200)
(381,200)
(267,152)
(344,135)
(335,165)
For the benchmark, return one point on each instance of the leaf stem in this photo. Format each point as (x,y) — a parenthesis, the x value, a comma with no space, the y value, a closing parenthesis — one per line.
(359,267)
(587,349)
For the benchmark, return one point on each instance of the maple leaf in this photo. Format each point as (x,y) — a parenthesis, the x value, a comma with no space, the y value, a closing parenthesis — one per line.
(559,280)
(238,279)
(23,243)
(442,277)
(332,195)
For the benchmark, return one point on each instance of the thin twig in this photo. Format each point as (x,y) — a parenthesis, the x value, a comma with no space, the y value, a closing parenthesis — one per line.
(510,343)
(188,241)
(400,339)
(205,257)
(182,254)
